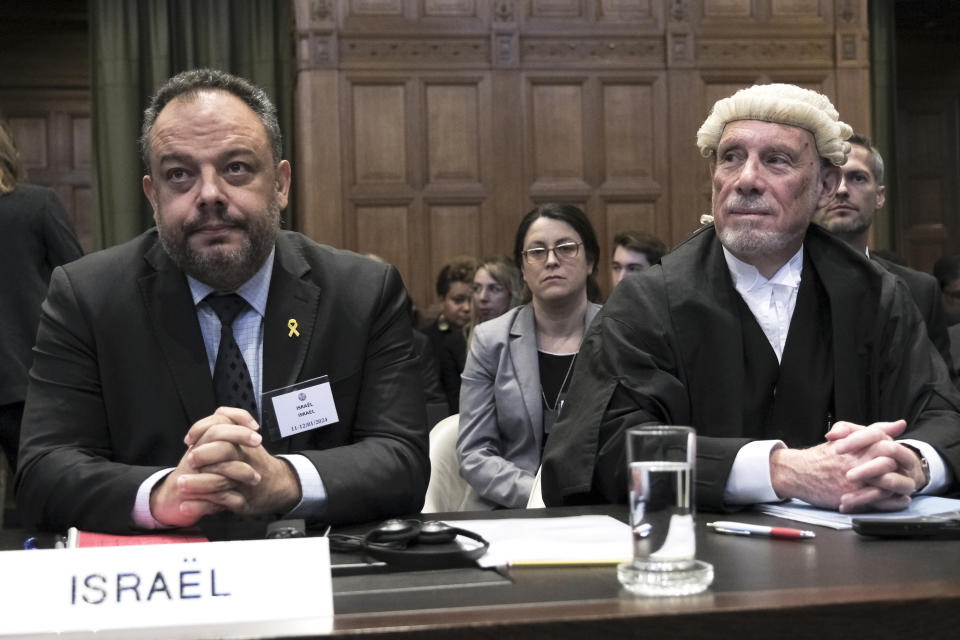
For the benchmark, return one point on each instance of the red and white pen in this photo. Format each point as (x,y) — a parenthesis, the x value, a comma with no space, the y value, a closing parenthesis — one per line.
(744,529)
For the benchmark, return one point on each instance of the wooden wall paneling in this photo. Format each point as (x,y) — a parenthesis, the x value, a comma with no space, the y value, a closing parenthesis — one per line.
(320,99)
(627,117)
(615,13)
(771,52)
(634,169)
(30,136)
(383,229)
(852,94)
(851,97)
(415,16)
(460,9)
(624,216)
(377,8)
(723,11)
(607,16)
(52,132)
(453,156)
(317,167)
(928,174)
(457,159)
(451,232)
(378,134)
(381,170)
(458,115)
(508,201)
(926,170)
(762,15)
(689,186)
(852,50)
(414,35)
(794,13)
(456,140)
(556,137)
(575,10)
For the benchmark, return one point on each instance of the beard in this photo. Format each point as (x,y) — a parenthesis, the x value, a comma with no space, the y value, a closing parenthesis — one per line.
(221,266)
(747,238)
(850,224)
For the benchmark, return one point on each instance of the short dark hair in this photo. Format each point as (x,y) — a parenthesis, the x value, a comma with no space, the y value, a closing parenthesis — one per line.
(459,269)
(874,159)
(946,270)
(642,242)
(191,83)
(568,213)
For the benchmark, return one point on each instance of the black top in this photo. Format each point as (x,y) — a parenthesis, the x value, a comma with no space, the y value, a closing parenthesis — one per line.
(555,373)
(554,377)
(450,350)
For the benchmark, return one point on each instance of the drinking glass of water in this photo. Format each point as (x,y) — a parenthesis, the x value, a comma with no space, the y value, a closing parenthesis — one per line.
(660,471)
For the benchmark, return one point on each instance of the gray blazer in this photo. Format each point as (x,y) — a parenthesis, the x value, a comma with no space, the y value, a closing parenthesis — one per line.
(501,415)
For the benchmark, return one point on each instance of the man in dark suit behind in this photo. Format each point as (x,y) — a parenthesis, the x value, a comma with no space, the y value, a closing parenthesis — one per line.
(123,429)
(850,215)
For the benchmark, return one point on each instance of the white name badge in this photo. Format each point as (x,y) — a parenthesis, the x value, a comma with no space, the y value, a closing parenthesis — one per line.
(306,406)
(199,590)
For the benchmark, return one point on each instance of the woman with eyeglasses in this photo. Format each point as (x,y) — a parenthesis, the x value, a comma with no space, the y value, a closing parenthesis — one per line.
(519,364)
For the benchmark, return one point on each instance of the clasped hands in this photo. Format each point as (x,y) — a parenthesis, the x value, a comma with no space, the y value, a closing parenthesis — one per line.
(857,469)
(225,468)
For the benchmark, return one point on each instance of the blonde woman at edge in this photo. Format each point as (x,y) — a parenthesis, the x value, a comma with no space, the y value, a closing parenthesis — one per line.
(498,286)
(520,363)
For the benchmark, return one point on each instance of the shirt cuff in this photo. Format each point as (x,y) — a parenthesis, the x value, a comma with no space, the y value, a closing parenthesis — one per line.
(939,474)
(749,480)
(313,501)
(142,517)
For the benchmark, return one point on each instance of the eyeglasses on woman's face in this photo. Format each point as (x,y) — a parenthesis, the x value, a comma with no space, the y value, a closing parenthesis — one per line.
(563,251)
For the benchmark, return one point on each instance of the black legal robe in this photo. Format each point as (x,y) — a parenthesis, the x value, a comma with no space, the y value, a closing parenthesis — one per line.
(669,348)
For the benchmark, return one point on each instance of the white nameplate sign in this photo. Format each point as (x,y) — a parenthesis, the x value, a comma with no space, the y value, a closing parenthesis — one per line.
(200,590)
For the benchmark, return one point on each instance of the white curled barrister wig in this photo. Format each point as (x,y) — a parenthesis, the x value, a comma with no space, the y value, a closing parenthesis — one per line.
(780,104)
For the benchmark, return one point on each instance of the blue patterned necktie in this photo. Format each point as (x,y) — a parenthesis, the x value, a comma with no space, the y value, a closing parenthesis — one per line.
(231,379)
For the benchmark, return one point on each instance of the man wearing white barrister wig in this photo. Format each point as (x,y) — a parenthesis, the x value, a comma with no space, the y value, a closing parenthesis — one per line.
(805,369)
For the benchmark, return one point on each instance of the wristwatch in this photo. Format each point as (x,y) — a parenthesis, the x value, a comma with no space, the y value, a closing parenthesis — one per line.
(924,466)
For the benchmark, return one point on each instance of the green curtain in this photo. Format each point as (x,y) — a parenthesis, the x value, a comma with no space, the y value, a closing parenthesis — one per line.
(135,47)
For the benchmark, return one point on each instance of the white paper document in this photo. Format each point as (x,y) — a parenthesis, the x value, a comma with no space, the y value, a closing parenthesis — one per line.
(569,540)
(803,512)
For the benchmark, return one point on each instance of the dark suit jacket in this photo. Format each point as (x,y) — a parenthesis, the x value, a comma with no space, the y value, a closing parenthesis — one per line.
(121,374)
(667,348)
(35,237)
(450,351)
(437,407)
(926,293)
